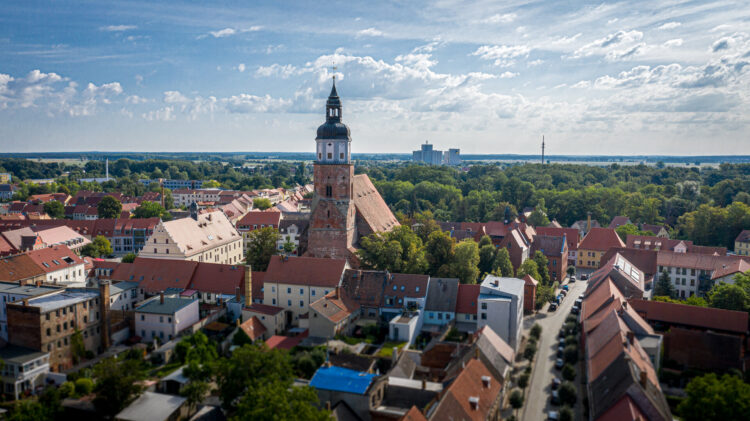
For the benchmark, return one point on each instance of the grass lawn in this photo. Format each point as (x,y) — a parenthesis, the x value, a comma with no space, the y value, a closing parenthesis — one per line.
(165,369)
(386,351)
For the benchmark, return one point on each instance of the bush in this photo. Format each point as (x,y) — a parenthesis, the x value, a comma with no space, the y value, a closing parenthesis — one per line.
(571,339)
(568,393)
(566,413)
(536,331)
(67,389)
(84,386)
(571,328)
(570,353)
(569,372)
(532,341)
(529,351)
(523,381)
(571,318)
(527,370)
(516,399)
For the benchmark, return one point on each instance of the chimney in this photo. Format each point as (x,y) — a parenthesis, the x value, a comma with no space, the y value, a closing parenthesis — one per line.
(328,406)
(104,304)
(476,352)
(237,296)
(486,380)
(644,378)
(248,286)
(161,297)
(631,337)
(474,402)
(239,321)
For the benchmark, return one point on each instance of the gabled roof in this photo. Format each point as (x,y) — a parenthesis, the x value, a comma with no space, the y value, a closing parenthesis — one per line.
(253,328)
(370,205)
(62,235)
(210,230)
(310,271)
(442,294)
(403,285)
(494,347)
(624,410)
(19,268)
(619,221)
(364,286)
(156,275)
(732,267)
(529,280)
(743,237)
(218,278)
(259,218)
(170,306)
(466,300)
(264,309)
(552,246)
(51,259)
(413,414)
(335,306)
(651,242)
(697,317)
(469,386)
(600,239)
(286,342)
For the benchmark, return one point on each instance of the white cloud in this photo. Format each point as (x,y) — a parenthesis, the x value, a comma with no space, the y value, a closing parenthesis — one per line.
(503,55)
(175,97)
(566,40)
(500,18)
(241,67)
(369,32)
(621,45)
(673,42)
(135,99)
(283,71)
(670,25)
(162,114)
(246,103)
(117,28)
(508,75)
(223,32)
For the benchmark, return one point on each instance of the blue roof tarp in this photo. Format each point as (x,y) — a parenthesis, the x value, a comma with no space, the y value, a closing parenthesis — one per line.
(341,380)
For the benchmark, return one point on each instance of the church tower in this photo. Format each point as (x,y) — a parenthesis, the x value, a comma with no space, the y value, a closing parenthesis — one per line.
(332,231)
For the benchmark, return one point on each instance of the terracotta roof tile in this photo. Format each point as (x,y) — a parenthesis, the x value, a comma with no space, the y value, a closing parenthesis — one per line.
(601,239)
(156,275)
(467,386)
(19,268)
(52,259)
(264,309)
(305,271)
(218,278)
(687,315)
(370,205)
(253,328)
(259,218)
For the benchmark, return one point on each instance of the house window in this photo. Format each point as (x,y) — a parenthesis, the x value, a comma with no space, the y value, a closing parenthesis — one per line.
(329,191)
(484,306)
(301,303)
(484,316)
(301,291)
(341,155)
(330,155)
(273,301)
(289,303)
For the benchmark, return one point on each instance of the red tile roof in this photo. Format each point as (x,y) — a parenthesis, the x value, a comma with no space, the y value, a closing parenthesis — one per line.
(529,280)
(601,239)
(469,384)
(19,268)
(218,278)
(370,205)
(687,315)
(618,221)
(413,415)
(253,328)
(335,306)
(310,271)
(403,285)
(285,342)
(51,259)
(156,275)
(466,300)
(624,410)
(259,218)
(743,237)
(650,242)
(264,309)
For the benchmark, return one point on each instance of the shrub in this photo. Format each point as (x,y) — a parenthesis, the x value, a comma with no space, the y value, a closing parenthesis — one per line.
(536,331)
(571,328)
(568,393)
(570,353)
(529,351)
(67,389)
(566,413)
(571,339)
(527,370)
(571,318)
(569,372)
(84,386)
(523,381)
(516,399)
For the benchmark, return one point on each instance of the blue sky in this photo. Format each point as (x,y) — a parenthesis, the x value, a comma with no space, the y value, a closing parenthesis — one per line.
(634,77)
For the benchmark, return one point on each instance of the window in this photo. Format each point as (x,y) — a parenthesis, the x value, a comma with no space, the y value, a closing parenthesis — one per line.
(273,301)
(49,331)
(289,290)
(154,250)
(143,317)
(301,291)
(329,191)
(301,303)
(330,155)
(484,316)
(312,292)
(289,303)
(484,306)
(341,155)
(161,319)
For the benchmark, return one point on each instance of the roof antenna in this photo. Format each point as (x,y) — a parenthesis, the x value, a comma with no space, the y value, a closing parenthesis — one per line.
(542,149)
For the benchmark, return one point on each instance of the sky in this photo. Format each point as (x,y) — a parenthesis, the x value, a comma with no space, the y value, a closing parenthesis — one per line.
(488,77)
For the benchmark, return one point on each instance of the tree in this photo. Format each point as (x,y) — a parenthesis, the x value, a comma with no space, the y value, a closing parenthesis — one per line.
(712,398)
(523,380)
(544,294)
(399,250)
(196,348)
(109,207)
(465,261)
(541,264)
(439,251)
(195,391)
(571,270)
(566,413)
(129,258)
(568,372)
(261,203)
(568,393)
(697,301)
(529,351)
(84,386)
(77,348)
(149,209)
(211,184)
(664,286)
(261,246)
(100,247)
(728,297)
(529,267)
(502,265)
(116,384)
(536,331)
(486,258)
(277,400)
(570,353)
(538,217)
(54,209)
(289,247)
(516,400)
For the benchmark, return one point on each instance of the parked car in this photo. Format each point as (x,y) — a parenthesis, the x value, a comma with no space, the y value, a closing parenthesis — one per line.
(580,297)
(562,341)
(555,398)
(560,351)
(573,278)
(565,288)
(559,363)
(560,298)
(556,382)
(579,302)
(553,415)
(584,277)
(562,333)
(552,307)
(574,310)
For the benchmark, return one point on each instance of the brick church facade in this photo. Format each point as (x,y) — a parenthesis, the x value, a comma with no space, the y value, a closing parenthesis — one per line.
(345,206)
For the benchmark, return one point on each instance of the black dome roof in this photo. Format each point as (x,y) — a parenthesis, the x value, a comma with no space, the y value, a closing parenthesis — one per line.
(333,130)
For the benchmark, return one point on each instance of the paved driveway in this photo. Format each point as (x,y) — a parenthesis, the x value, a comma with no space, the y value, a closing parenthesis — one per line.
(537,401)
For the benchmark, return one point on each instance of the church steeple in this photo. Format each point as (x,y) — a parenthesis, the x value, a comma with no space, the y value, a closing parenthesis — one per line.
(333,140)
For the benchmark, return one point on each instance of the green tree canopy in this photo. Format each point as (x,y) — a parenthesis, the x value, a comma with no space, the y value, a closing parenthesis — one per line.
(99,247)
(261,203)
(529,267)
(502,265)
(711,397)
(664,286)
(109,207)
(149,209)
(129,258)
(439,251)
(542,267)
(728,297)
(54,209)
(261,245)
(116,384)
(465,261)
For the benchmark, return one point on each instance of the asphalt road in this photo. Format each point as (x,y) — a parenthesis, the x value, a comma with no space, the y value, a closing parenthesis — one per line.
(537,402)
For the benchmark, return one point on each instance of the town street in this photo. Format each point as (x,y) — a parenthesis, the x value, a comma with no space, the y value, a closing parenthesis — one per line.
(537,402)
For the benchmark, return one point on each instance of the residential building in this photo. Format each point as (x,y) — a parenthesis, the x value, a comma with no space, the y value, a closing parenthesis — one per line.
(475,394)
(403,291)
(428,155)
(700,338)
(61,266)
(294,283)
(529,293)
(21,240)
(440,307)
(24,370)
(405,326)
(11,292)
(572,237)
(152,406)
(48,322)
(345,207)
(362,392)
(63,235)
(271,317)
(585,225)
(519,247)
(173,184)
(254,220)
(501,307)
(6,177)
(593,246)
(555,249)
(467,307)
(164,318)
(206,237)
(333,314)
(619,221)
(22,270)
(294,232)
(452,157)
(657,230)
(742,243)
(693,273)
(7,191)
(124,295)
(649,242)
(625,276)
(489,348)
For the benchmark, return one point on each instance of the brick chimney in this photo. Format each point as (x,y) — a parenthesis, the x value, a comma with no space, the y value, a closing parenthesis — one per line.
(644,378)
(161,297)
(237,295)
(631,337)
(104,304)
(248,286)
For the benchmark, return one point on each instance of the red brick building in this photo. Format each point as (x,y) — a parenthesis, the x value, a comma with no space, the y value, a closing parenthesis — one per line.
(529,293)
(555,249)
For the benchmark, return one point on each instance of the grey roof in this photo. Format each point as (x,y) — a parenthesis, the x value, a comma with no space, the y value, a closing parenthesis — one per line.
(171,305)
(505,286)
(63,299)
(122,286)
(177,376)
(151,406)
(209,413)
(27,290)
(19,355)
(442,294)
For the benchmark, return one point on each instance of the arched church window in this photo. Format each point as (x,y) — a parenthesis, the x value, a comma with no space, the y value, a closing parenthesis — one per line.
(329,191)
